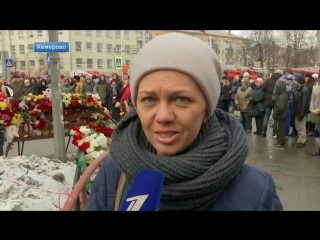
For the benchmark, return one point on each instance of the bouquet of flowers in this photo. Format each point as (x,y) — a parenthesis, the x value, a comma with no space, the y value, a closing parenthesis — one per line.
(101,127)
(92,143)
(66,99)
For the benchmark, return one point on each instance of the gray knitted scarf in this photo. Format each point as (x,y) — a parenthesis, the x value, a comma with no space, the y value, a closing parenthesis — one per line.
(194,178)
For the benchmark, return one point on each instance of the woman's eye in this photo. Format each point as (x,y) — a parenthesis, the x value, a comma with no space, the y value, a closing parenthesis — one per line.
(148,100)
(182,99)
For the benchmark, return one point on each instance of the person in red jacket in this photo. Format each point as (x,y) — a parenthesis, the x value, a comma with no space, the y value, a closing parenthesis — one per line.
(125,94)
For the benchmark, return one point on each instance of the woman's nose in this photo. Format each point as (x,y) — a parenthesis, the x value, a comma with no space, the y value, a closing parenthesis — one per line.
(164,113)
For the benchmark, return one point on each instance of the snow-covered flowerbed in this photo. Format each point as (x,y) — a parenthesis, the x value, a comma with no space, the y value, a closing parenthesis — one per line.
(34,183)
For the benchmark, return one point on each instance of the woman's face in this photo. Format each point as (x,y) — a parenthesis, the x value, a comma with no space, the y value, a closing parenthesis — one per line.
(243,83)
(66,81)
(43,83)
(125,82)
(114,77)
(258,84)
(171,108)
(102,77)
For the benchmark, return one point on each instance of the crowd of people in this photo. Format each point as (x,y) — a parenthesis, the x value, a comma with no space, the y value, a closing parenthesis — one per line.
(289,96)
(111,91)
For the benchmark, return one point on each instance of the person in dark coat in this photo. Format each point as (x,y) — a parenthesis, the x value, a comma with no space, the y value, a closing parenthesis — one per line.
(280,113)
(268,87)
(309,85)
(301,104)
(225,92)
(234,88)
(176,130)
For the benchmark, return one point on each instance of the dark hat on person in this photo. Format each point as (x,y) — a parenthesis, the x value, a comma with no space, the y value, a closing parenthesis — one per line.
(308,75)
(299,78)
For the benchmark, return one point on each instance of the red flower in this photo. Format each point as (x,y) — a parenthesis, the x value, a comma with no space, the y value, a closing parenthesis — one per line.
(42,124)
(84,146)
(76,129)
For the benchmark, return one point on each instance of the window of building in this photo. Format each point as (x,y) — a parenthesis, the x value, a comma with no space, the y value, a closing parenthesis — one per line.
(21,49)
(41,62)
(79,62)
(39,33)
(127,48)
(128,62)
(118,48)
(30,48)
(109,63)
(108,34)
(98,33)
(22,63)
(11,34)
(109,48)
(13,49)
(89,47)
(78,46)
(31,63)
(88,33)
(100,63)
(99,47)
(20,34)
(89,63)
(30,33)
(78,32)
(118,34)
(126,34)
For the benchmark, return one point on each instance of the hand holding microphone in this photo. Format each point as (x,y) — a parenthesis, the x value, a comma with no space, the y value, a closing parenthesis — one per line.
(145,192)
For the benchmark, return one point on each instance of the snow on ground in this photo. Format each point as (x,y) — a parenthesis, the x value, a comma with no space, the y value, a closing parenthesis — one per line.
(34,183)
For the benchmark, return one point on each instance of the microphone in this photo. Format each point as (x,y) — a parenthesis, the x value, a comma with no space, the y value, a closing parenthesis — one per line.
(145,192)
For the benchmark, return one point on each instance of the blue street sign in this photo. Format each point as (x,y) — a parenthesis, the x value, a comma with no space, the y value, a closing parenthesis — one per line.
(48,58)
(9,62)
(118,63)
(51,47)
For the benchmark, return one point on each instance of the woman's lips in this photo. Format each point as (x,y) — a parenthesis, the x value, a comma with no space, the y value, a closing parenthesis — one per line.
(166,137)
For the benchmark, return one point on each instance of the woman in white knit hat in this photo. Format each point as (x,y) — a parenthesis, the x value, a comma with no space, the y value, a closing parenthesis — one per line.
(176,129)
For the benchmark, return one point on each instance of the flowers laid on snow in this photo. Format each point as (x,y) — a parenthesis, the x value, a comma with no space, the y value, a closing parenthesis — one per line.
(92,143)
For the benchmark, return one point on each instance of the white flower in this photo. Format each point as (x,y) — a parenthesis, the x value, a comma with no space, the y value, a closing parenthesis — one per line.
(72,132)
(94,143)
(93,136)
(85,130)
(90,149)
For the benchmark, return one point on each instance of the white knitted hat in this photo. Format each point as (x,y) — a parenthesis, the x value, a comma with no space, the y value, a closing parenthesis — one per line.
(183,53)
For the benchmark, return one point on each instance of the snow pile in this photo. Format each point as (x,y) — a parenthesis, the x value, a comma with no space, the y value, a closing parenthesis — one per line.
(34,183)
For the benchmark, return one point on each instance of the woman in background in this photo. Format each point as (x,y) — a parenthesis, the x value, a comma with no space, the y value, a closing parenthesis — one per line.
(257,99)
(242,101)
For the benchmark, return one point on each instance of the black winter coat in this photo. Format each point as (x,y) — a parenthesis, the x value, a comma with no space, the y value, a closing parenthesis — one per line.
(301,102)
(268,87)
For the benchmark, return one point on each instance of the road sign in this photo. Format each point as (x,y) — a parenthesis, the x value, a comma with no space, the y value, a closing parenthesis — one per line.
(48,58)
(51,47)
(9,62)
(118,63)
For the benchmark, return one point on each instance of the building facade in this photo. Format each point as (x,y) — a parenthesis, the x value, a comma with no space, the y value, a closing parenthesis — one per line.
(222,42)
(90,50)
(94,50)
